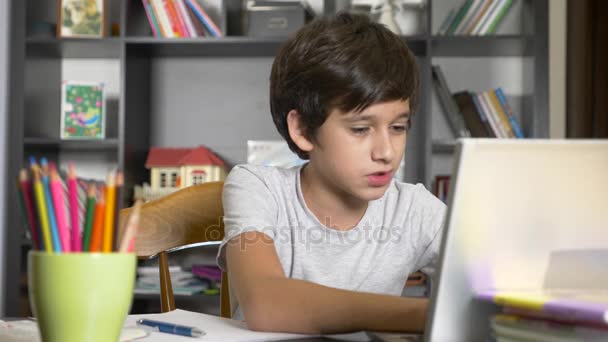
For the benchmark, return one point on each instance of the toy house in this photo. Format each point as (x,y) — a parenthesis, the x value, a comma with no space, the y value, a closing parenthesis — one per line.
(172,169)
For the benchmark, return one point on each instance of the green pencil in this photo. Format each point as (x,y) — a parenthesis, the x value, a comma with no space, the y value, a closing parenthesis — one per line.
(88,223)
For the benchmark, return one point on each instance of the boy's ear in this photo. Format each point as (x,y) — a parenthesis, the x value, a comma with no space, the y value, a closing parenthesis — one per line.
(297,132)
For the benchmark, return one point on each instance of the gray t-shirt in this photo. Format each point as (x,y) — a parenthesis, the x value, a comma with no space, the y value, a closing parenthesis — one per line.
(399,233)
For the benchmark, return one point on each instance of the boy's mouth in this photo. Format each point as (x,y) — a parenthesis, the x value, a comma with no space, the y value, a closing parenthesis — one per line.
(379,178)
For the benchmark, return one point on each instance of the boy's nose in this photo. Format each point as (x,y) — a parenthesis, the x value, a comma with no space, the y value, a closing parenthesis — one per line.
(383,148)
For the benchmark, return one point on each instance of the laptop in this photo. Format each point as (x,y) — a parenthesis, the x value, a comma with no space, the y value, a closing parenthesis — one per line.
(523,216)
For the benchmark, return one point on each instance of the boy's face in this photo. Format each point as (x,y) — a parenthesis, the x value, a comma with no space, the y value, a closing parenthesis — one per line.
(357,154)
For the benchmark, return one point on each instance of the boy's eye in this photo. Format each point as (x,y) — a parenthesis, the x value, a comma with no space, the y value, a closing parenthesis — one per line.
(400,128)
(359,130)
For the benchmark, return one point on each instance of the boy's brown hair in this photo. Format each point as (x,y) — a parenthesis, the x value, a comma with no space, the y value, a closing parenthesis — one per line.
(344,62)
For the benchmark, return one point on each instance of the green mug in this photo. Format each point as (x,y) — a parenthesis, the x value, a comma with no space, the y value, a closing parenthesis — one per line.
(81,296)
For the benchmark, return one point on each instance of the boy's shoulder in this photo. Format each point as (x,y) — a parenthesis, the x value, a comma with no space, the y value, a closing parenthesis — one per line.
(248,174)
(413,196)
(408,189)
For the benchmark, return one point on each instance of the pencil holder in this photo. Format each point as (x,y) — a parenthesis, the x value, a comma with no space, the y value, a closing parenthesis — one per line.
(80,296)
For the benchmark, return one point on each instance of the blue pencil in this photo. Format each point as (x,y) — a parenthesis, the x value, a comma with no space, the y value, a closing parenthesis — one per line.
(49,204)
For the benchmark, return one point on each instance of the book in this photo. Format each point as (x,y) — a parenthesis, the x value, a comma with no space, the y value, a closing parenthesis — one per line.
(591,307)
(82,110)
(459,15)
(151,18)
(487,104)
(169,10)
(476,30)
(163,18)
(450,108)
(484,117)
(198,26)
(441,186)
(204,18)
(564,319)
(446,22)
(472,118)
(492,118)
(181,6)
(212,273)
(514,328)
(176,18)
(187,290)
(498,18)
(466,20)
(486,5)
(501,114)
(510,115)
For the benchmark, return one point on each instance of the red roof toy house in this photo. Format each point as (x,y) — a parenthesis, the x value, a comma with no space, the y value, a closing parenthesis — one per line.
(172,169)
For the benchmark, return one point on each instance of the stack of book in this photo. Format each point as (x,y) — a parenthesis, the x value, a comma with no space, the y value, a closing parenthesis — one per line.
(538,317)
(485,114)
(441,185)
(184,283)
(475,17)
(179,19)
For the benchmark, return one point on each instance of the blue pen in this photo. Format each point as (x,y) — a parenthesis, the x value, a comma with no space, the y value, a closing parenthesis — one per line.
(172,328)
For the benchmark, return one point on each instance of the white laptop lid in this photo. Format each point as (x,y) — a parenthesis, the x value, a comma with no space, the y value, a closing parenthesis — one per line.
(513,204)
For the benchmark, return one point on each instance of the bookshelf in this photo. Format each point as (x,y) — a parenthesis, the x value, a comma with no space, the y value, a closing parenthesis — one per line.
(219,88)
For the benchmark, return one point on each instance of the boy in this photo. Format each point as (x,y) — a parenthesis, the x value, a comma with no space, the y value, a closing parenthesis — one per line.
(327,247)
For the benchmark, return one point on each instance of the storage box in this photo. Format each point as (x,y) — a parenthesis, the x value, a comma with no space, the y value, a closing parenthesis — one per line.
(273,18)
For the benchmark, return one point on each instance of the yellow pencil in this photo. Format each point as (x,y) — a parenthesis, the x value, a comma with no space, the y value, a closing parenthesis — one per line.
(42,210)
(108,230)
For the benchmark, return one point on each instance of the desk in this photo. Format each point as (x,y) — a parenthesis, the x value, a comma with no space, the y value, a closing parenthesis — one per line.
(219,329)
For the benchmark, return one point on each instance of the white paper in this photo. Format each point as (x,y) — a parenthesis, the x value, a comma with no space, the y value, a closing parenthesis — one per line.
(223,329)
(215,328)
(27,331)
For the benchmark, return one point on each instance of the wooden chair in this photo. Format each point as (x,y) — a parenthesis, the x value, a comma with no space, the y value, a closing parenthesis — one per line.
(189,217)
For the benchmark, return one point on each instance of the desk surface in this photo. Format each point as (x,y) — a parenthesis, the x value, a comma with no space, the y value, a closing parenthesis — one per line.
(355,337)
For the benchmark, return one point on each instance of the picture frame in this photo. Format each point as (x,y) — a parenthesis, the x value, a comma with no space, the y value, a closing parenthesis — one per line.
(81,18)
(83,110)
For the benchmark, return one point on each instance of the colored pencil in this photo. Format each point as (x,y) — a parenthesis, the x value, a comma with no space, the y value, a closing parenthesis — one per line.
(49,206)
(90,215)
(128,239)
(120,180)
(108,230)
(25,193)
(97,231)
(59,206)
(35,204)
(42,212)
(74,208)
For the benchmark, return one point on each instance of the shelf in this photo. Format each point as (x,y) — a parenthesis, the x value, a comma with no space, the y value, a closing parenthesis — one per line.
(482,46)
(73,145)
(240,46)
(73,47)
(164,47)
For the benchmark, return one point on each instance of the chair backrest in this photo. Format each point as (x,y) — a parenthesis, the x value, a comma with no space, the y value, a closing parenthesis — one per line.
(188,216)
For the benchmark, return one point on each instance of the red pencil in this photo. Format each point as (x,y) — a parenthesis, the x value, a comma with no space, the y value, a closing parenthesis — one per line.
(74,210)
(26,191)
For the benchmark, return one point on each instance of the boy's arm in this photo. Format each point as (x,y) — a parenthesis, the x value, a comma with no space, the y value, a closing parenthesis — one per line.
(272,302)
